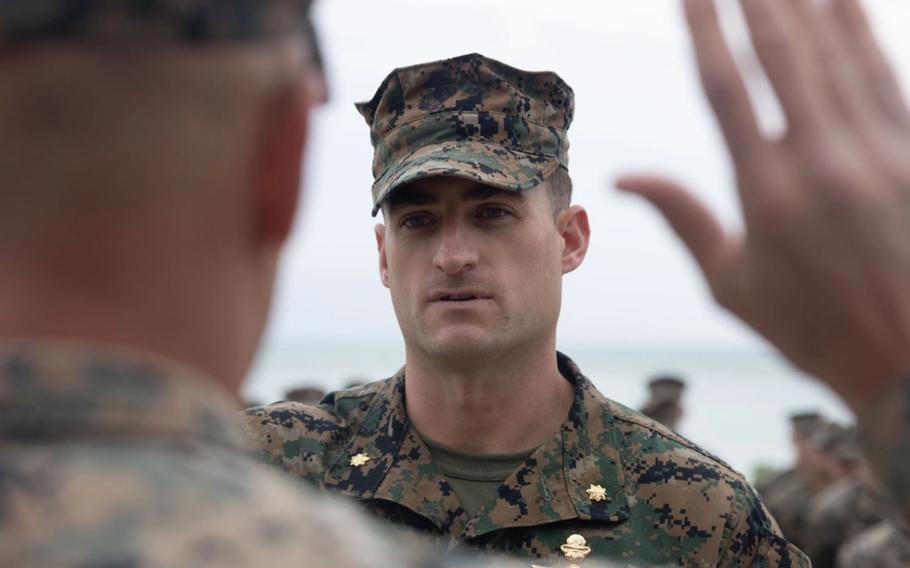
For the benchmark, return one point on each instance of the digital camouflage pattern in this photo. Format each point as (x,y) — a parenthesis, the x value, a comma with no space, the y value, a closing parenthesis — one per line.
(471,117)
(150,21)
(667,501)
(886,545)
(838,513)
(111,460)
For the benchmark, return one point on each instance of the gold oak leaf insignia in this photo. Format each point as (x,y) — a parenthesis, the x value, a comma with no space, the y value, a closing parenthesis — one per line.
(359,460)
(596,493)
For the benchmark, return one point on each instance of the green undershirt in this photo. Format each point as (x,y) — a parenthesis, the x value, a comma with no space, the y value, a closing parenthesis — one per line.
(475,478)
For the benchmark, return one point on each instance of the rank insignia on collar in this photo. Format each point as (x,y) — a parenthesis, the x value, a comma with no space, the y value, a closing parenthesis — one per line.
(596,493)
(360,460)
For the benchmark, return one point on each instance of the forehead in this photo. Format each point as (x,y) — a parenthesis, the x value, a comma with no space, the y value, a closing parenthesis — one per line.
(433,190)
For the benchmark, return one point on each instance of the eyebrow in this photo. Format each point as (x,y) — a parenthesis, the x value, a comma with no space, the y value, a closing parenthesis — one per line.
(411,195)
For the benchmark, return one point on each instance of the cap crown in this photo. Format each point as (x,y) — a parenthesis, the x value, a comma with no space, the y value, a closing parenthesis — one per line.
(470,99)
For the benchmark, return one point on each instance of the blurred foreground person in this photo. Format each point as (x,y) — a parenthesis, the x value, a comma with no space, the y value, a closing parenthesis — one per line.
(150,158)
(822,266)
(665,400)
(489,437)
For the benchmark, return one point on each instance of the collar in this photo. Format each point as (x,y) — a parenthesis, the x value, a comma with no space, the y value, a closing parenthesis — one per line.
(551,485)
(63,390)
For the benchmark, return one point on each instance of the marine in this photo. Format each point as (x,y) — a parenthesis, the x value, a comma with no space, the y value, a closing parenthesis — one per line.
(664,401)
(114,458)
(125,127)
(489,438)
(789,493)
(852,503)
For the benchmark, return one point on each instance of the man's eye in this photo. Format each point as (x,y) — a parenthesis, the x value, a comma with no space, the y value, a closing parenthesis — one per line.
(416,221)
(493,212)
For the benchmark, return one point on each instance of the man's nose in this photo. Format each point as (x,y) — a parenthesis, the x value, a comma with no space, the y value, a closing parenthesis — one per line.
(456,251)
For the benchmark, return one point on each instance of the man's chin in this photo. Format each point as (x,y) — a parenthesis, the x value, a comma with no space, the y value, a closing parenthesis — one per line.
(462,343)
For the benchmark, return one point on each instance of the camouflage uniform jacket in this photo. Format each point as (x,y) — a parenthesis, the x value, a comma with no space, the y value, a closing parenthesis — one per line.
(886,545)
(838,513)
(113,460)
(666,501)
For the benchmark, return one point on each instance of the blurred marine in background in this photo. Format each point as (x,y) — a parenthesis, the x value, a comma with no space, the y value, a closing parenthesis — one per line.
(664,403)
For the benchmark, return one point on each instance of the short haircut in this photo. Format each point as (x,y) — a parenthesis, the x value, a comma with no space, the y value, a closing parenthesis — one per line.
(559,188)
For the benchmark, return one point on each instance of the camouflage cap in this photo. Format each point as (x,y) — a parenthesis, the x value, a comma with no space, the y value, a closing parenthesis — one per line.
(841,442)
(666,388)
(150,21)
(470,117)
(806,423)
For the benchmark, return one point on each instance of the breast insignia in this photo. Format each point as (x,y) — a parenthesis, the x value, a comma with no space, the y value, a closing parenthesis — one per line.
(575,549)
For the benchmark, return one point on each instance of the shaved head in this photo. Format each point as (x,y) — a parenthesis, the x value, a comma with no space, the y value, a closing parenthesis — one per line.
(101,129)
(146,192)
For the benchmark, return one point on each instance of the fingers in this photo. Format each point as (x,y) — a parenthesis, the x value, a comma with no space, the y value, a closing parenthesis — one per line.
(786,52)
(722,82)
(690,219)
(878,76)
(839,72)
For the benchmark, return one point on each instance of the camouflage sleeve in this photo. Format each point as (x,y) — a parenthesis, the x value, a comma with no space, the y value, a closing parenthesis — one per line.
(753,539)
(885,436)
(292,436)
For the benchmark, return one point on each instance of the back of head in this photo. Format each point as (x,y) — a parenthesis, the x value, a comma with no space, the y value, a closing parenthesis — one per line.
(134,159)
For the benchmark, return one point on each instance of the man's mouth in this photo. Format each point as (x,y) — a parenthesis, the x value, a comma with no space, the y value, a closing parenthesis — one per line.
(459,296)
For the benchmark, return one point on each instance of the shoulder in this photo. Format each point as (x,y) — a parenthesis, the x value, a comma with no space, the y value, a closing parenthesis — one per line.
(644,440)
(691,487)
(336,410)
(656,458)
(299,437)
(204,507)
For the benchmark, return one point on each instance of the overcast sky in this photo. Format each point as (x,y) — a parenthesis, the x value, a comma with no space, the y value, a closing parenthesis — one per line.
(638,105)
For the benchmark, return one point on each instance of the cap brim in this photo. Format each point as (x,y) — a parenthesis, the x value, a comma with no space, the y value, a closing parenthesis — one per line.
(489,164)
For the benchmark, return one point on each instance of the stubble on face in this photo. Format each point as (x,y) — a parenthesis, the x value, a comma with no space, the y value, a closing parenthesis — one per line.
(474,272)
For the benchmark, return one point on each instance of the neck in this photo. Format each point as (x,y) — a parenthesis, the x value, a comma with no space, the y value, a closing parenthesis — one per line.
(503,405)
(152,310)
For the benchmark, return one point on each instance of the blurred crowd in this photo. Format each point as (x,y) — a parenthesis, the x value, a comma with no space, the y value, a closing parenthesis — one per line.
(829,503)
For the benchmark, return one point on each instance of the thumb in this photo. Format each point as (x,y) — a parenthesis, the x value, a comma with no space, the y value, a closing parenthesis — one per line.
(692,222)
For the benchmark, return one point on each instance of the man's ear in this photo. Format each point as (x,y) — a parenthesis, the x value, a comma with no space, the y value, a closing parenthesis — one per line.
(573,227)
(379,229)
(279,162)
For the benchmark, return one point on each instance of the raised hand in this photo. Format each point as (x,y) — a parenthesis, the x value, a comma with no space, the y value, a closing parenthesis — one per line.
(822,269)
